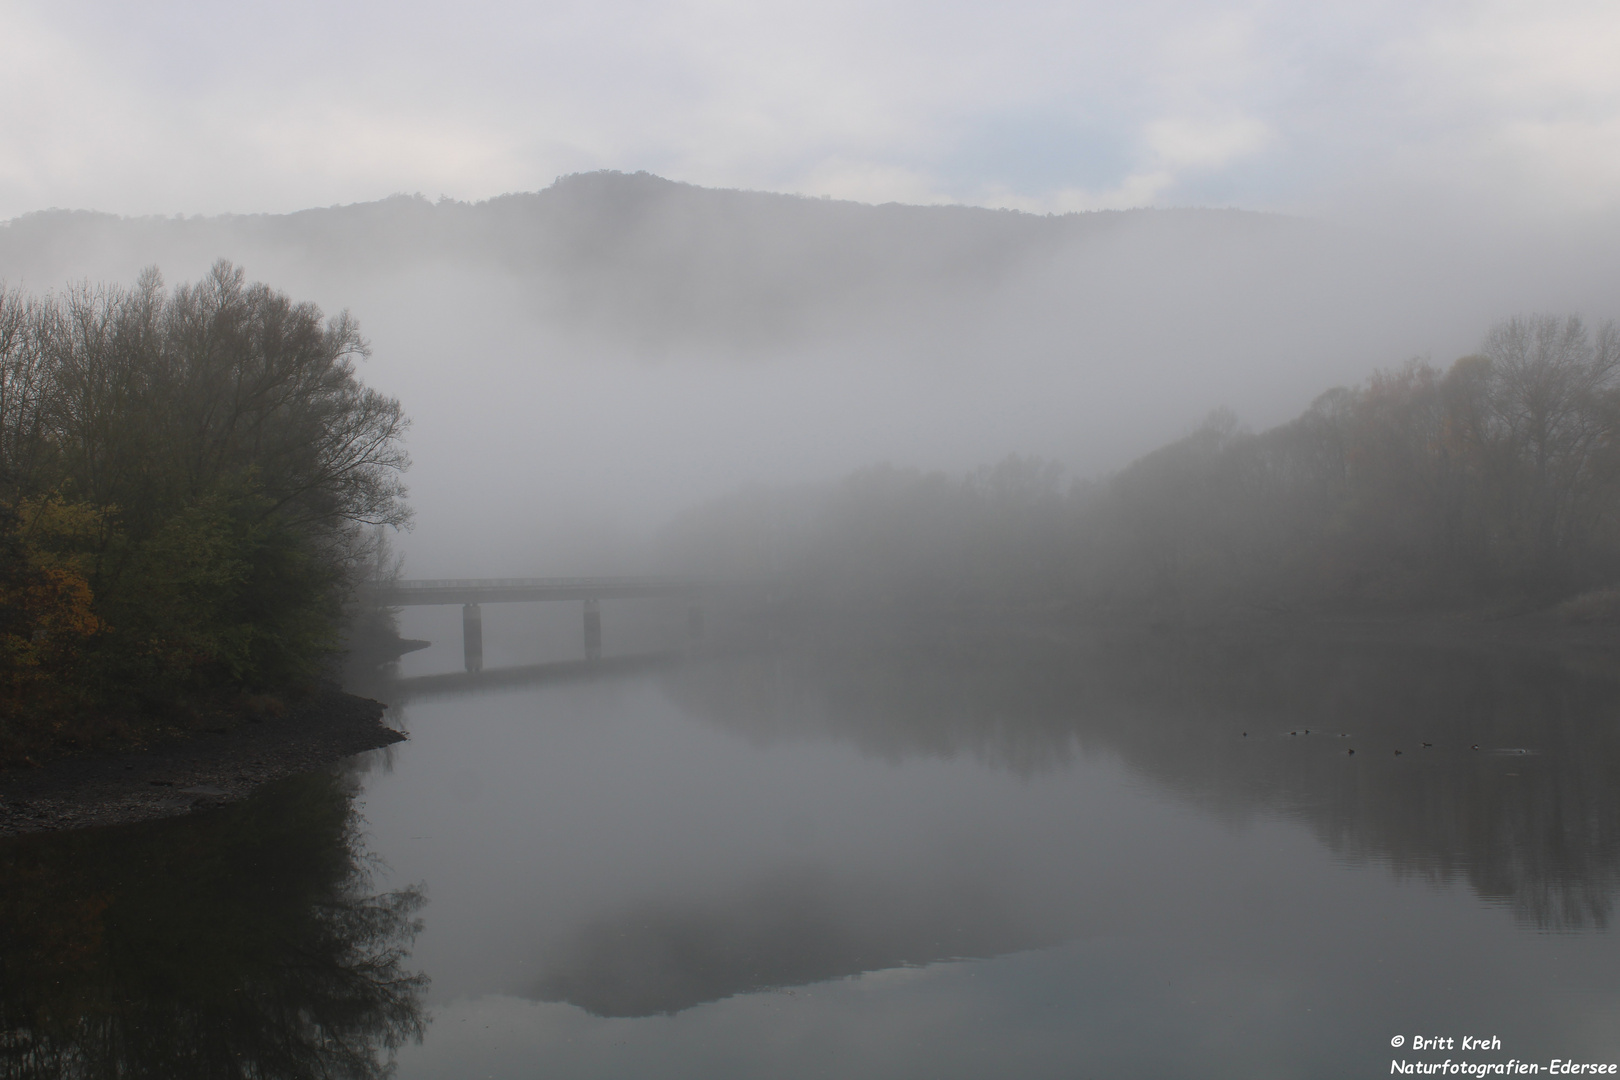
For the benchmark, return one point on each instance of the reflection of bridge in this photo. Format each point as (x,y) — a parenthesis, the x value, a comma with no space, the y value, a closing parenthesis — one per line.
(471,592)
(456,683)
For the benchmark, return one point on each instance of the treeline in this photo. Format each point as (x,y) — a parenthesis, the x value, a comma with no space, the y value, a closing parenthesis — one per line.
(187,478)
(1495,481)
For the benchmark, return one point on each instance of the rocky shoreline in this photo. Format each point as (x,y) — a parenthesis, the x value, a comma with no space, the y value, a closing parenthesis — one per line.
(196,773)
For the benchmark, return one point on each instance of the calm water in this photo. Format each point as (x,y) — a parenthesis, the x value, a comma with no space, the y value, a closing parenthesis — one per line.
(919,855)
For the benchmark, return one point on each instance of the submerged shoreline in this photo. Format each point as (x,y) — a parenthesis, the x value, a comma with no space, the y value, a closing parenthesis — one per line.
(203,771)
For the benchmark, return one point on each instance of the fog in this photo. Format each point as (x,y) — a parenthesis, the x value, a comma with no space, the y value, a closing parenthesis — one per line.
(1047,665)
(582,363)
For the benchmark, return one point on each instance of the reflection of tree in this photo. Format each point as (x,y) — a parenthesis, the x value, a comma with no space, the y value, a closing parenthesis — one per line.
(243,942)
(789,929)
(1540,832)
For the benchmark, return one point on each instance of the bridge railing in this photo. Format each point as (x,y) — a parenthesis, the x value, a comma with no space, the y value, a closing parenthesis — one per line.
(511,590)
(536,583)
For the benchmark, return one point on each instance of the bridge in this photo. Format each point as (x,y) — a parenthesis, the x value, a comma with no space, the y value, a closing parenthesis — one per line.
(470,593)
(517,590)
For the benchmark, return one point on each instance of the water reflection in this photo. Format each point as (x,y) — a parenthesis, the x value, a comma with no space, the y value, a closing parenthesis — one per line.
(243,942)
(791,929)
(389,686)
(1502,769)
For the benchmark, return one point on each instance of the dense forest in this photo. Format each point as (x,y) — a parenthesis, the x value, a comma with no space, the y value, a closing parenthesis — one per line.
(1492,483)
(187,480)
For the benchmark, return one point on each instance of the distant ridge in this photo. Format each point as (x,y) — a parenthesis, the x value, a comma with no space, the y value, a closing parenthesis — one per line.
(637,253)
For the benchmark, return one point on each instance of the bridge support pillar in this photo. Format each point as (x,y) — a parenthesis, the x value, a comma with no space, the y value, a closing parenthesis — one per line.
(472,636)
(593,630)
(694,624)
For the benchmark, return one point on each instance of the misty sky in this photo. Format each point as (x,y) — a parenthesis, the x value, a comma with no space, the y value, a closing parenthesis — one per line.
(209,107)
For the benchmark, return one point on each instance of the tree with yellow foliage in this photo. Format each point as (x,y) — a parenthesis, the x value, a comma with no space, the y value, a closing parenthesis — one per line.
(190,482)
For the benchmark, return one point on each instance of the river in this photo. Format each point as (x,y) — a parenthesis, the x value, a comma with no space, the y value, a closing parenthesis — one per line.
(904,853)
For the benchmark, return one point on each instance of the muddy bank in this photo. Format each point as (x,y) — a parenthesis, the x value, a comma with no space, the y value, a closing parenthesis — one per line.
(206,770)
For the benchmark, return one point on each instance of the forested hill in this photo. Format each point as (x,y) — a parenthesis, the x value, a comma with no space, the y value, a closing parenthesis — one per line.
(695,340)
(671,267)
(655,257)
(1492,484)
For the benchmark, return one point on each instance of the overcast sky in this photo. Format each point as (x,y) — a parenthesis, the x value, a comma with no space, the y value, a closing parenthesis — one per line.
(1303,105)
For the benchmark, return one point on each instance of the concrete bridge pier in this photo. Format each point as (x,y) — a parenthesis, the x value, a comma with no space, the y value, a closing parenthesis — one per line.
(472,636)
(593,630)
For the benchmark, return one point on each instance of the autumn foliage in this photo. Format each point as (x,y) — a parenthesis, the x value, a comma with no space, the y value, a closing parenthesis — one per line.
(187,480)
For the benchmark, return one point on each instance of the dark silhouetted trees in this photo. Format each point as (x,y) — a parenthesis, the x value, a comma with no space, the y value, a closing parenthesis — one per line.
(1495,479)
(186,478)
(1493,482)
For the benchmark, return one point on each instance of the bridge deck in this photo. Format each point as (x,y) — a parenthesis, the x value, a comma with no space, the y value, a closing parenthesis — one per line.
(515,590)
